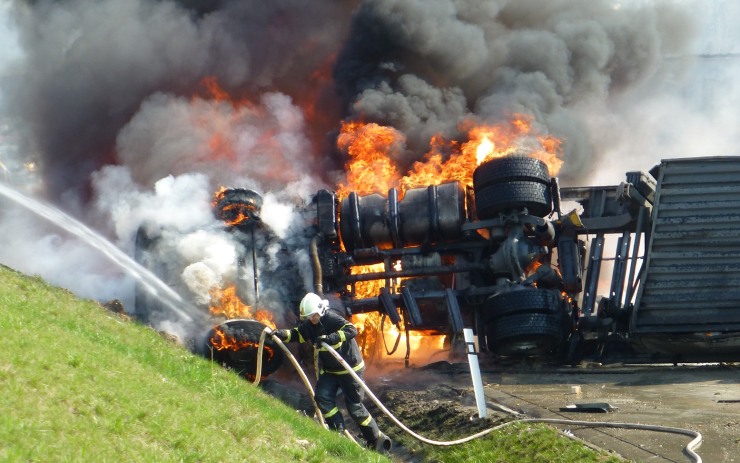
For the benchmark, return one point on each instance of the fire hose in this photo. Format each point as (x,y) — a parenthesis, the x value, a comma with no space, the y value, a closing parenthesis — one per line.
(688,449)
(301,373)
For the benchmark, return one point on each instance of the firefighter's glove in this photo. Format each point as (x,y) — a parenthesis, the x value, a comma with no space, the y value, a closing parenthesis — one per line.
(282,335)
(320,339)
(331,339)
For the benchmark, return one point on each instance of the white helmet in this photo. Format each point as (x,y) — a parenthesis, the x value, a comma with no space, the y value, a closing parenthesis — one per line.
(311,304)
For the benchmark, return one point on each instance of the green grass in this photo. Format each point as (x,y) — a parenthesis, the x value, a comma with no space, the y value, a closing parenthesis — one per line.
(512,444)
(80,383)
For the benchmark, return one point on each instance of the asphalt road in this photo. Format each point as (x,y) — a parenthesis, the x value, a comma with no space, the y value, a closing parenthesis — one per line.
(704,398)
(701,398)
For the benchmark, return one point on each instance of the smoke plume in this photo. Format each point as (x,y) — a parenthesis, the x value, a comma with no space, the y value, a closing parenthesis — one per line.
(136,111)
(423,66)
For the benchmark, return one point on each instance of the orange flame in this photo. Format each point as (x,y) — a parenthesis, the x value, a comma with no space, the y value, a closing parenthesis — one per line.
(220,144)
(371,148)
(214,91)
(371,339)
(369,288)
(222,119)
(226,303)
(222,341)
(376,344)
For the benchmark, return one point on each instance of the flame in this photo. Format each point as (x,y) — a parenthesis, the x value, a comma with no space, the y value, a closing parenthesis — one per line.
(434,171)
(214,91)
(371,149)
(532,267)
(226,303)
(494,141)
(375,343)
(221,117)
(222,341)
(220,144)
(370,288)
(371,339)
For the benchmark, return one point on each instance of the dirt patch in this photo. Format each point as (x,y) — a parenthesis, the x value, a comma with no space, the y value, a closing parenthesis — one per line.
(437,412)
(432,402)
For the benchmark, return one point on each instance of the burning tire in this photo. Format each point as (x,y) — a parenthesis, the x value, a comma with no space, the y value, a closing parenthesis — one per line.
(510,184)
(238,207)
(234,344)
(525,334)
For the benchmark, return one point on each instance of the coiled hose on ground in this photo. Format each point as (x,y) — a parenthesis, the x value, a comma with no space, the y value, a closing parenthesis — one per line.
(688,449)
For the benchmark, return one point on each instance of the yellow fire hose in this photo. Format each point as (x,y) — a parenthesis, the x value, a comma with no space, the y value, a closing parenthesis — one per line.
(688,449)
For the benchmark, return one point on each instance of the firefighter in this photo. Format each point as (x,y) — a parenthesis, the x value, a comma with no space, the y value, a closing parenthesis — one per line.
(318,325)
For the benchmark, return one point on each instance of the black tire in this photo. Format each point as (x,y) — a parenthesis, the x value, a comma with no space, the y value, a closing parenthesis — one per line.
(529,300)
(525,334)
(513,197)
(242,338)
(510,168)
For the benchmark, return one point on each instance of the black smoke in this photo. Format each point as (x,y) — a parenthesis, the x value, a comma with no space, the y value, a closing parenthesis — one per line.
(113,97)
(423,66)
(91,67)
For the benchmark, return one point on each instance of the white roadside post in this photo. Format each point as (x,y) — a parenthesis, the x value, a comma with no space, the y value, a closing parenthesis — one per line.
(480,400)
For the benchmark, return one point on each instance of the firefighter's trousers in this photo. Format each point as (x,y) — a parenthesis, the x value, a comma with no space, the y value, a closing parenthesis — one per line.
(326,398)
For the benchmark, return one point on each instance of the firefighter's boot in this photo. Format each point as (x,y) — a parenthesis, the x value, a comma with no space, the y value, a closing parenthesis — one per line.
(375,439)
(335,423)
(383,443)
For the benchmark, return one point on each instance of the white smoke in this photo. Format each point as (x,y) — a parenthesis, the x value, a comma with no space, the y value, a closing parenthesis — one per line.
(692,109)
(37,248)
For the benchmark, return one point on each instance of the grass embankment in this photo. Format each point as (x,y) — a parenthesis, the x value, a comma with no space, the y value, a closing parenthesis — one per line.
(517,443)
(80,383)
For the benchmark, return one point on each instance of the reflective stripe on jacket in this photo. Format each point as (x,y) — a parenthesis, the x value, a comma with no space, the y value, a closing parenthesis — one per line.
(343,333)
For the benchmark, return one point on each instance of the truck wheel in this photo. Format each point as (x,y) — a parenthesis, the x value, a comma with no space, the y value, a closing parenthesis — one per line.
(520,301)
(513,197)
(234,344)
(511,183)
(510,168)
(525,334)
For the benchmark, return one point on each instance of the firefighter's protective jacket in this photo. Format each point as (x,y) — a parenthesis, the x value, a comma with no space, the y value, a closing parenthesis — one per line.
(340,336)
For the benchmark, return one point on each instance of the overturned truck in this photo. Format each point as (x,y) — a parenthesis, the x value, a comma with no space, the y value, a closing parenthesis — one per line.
(642,271)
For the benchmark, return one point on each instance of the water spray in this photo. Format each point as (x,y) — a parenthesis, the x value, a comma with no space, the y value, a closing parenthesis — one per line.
(148,280)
